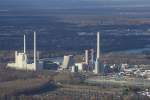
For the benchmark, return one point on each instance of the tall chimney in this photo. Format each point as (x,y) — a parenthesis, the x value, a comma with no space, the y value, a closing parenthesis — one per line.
(98,45)
(24,43)
(97,63)
(86,56)
(35,50)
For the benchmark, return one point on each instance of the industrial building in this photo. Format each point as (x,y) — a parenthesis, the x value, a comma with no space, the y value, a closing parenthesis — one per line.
(92,58)
(81,66)
(68,62)
(88,64)
(74,69)
(21,59)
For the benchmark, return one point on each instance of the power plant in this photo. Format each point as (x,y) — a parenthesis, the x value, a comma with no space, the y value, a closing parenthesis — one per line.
(21,59)
(88,65)
(23,63)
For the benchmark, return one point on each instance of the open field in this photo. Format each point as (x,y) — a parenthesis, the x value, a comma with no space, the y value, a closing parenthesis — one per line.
(49,85)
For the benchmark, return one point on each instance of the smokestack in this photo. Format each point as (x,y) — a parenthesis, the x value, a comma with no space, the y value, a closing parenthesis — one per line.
(86,56)
(24,43)
(34,49)
(98,45)
(97,63)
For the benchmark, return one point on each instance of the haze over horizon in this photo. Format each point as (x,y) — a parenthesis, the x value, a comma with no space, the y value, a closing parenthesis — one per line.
(68,4)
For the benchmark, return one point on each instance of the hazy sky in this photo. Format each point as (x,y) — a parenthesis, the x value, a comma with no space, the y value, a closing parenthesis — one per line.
(42,4)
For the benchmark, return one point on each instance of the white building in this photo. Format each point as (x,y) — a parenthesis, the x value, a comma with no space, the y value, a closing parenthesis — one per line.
(81,66)
(74,69)
(68,62)
(21,60)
